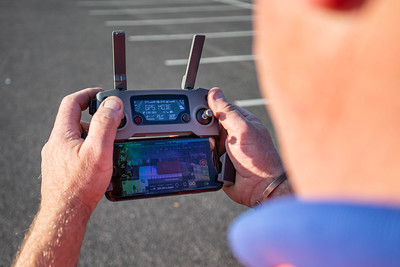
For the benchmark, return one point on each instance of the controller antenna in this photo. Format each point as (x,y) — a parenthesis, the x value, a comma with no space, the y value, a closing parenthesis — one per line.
(189,78)
(120,82)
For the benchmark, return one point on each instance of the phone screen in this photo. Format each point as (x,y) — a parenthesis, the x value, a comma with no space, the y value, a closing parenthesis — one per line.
(159,167)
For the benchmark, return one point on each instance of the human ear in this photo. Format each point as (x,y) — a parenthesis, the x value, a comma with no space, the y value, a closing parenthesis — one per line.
(339,4)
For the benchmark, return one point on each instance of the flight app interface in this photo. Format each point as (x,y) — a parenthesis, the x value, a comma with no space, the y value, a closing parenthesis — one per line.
(164,166)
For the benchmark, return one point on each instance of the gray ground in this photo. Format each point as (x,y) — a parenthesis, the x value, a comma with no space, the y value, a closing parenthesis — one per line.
(49,49)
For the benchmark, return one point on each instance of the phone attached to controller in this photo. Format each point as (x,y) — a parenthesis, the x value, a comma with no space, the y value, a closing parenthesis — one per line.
(166,142)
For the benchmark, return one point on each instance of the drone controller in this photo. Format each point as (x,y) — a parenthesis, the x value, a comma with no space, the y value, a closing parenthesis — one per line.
(165,114)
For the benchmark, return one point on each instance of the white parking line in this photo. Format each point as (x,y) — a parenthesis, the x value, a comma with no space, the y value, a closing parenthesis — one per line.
(147,22)
(189,36)
(251,102)
(210,60)
(136,3)
(237,3)
(136,11)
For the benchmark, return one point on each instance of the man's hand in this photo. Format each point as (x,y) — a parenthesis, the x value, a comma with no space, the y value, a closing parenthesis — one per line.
(77,170)
(250,147)
(75,175)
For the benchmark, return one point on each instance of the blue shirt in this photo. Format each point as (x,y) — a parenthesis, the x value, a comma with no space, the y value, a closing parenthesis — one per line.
(320,234)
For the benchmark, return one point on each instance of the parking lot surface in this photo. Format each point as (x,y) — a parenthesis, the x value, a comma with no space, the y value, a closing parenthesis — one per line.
(50,49)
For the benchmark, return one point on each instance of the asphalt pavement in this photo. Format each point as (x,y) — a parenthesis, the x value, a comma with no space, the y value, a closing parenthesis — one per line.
(49,49)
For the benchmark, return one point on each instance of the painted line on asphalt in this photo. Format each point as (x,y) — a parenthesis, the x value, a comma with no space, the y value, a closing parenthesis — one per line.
(211,60)
(159,10)
(136,3)
(149,22)
(189,36)
(236,3)
(251,102)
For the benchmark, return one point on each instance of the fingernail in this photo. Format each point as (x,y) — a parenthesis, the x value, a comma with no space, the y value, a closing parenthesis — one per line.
(112,104)
(218,95)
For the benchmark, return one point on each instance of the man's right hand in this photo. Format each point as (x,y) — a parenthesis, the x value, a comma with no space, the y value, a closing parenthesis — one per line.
(250,147)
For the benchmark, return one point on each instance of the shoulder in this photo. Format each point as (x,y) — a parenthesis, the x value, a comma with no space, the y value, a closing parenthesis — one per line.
(290,231)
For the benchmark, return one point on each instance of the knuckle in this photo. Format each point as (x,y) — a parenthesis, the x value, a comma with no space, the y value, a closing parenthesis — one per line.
(44,150)
(227,110)
(103,118)
(67,99)
(228,107)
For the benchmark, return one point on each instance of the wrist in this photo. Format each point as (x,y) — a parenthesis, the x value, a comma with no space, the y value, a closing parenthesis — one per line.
(71,206)
(274,185)
(283,189)
(272,188)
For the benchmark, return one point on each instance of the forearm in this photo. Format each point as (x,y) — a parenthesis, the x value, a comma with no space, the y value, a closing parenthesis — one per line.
(75,175)
(55,237)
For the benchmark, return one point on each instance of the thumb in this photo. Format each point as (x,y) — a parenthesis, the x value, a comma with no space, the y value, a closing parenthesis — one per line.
(229,115)
(103,128)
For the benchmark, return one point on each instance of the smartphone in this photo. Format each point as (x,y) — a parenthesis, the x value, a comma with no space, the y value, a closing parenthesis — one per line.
(145,168)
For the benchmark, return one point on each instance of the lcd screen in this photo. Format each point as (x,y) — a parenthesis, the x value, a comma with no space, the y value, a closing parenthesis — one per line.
(160,109)
(148,168)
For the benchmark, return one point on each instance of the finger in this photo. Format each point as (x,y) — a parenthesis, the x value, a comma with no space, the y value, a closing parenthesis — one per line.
(247,115)
(229,115)
(69,113)
(85,126)
(102,130)
(221,140)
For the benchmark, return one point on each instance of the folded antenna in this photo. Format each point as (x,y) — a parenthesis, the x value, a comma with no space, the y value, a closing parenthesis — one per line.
(119,60)
(189,78)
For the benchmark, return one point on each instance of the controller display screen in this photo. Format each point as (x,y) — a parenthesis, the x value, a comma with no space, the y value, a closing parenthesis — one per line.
(146,168)
(160,109)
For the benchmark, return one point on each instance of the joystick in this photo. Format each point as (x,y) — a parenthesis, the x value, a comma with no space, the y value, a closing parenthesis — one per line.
(204,116)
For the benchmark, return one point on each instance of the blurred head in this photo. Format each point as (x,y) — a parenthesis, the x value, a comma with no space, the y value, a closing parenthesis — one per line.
(331,69)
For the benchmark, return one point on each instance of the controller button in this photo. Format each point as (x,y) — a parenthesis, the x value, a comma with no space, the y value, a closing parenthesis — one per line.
(186,117)
(122,123)
(137,119)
